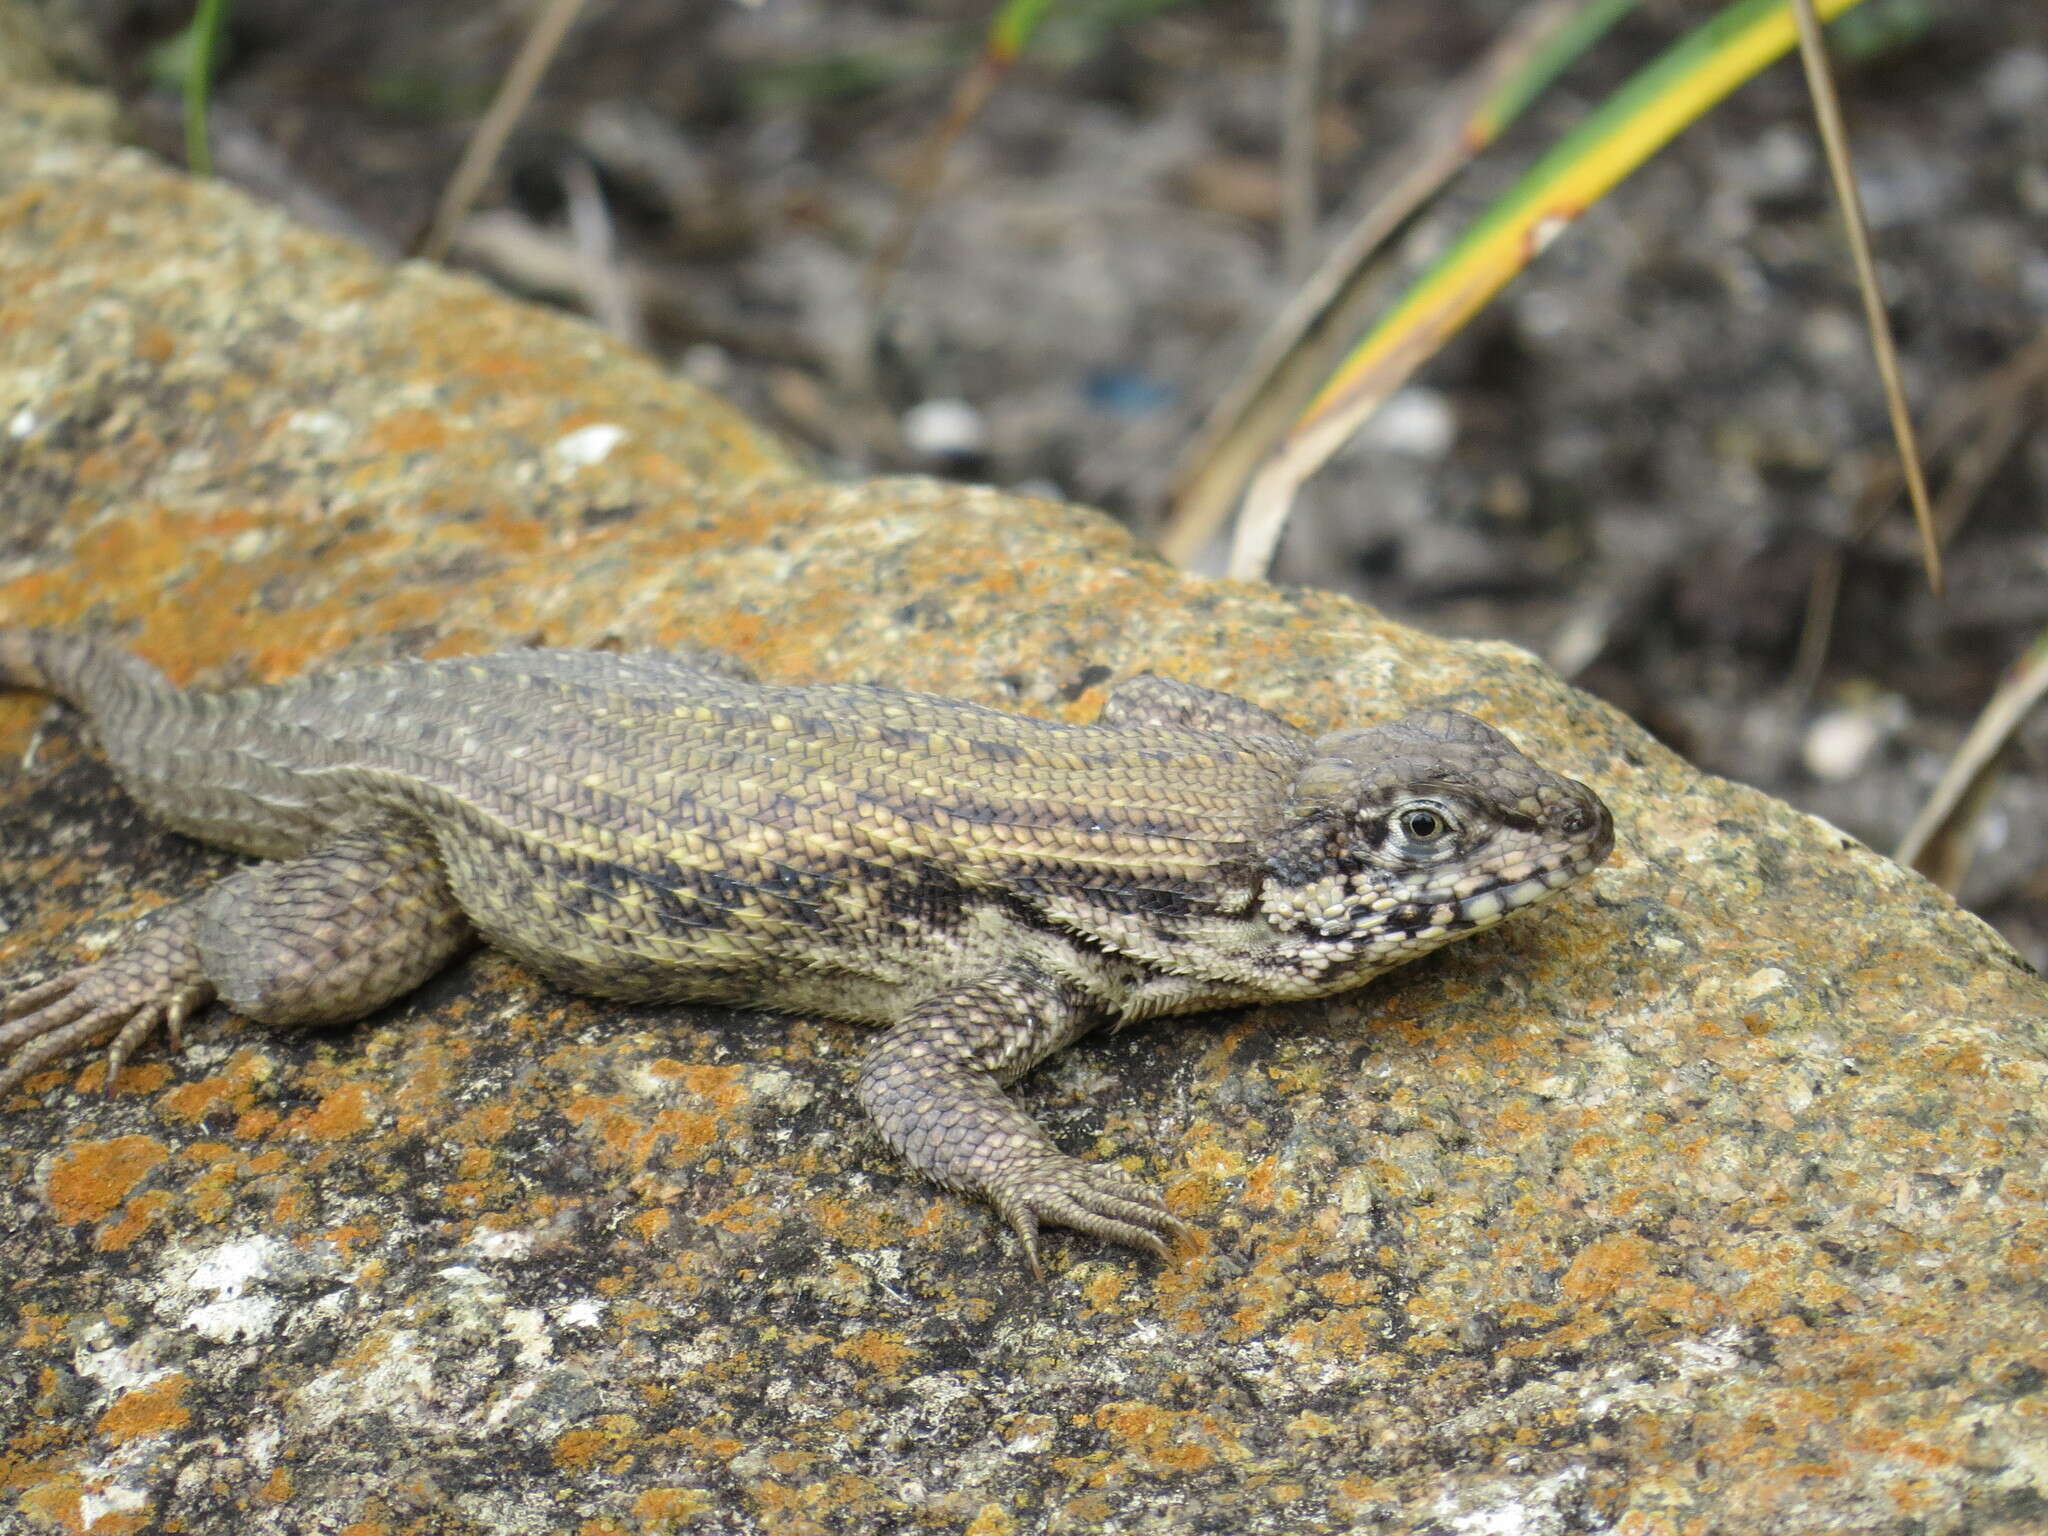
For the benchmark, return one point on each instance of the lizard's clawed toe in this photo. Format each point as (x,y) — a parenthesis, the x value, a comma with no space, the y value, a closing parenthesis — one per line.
(34,1000)
(67,1017)
(1087,1197)
(124,998)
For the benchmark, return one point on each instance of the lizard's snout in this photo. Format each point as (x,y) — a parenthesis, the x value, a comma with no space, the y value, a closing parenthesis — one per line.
(1588,816)
(1585,816)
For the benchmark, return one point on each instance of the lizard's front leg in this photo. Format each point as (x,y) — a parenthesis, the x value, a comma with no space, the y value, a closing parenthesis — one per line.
(320,939)
(933,1085)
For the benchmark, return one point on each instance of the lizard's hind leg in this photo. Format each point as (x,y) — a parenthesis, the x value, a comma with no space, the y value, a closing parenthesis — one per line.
(335,934)
(319,939)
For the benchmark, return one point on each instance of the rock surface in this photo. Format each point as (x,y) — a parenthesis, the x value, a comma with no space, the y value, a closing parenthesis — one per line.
(1707,1198)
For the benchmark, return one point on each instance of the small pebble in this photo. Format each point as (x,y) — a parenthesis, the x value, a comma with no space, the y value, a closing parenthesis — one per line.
(2017,85)
(1782,161)
(1418,422)
(1840,743)
(707,363)
(945,429)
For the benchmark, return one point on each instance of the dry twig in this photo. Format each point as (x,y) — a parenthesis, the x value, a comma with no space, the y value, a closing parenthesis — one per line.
(485,145)
(1827,109)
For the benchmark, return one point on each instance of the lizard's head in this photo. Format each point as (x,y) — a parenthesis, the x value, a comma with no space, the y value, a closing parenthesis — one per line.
(1405,836)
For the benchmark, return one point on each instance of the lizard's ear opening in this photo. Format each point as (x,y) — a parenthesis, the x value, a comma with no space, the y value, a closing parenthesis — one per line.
(1345,769)
(1321,804)
(1325,784)
(1318,832)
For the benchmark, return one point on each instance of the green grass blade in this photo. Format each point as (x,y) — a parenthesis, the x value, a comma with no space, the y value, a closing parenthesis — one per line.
(1514,94)
(204,54)
(1013,27)
(1304,340)
(1645,114)
(1637,121)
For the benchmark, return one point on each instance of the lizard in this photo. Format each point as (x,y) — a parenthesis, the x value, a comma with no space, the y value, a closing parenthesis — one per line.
(662,827)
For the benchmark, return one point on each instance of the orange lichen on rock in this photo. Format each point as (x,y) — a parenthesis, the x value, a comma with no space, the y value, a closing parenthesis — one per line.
(90,1179)
(155,1408)
(346,1111)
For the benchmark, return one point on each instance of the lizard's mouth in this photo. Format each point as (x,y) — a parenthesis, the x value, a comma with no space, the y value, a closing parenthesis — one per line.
(1508,894)
(1430,908)
(1481,900)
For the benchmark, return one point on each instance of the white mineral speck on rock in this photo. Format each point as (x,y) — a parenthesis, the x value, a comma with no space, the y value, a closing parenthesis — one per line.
(108,1499)
(589,445)
(1760,983)
(243,1317)
(328,427)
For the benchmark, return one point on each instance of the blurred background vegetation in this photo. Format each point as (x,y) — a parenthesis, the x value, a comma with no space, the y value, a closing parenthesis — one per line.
(913,241)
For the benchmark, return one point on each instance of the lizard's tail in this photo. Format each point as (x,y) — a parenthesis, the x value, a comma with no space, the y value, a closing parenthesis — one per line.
(96,676)
(165,745)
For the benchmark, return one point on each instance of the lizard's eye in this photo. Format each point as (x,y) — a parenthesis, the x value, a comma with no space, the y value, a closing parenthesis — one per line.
(1422,824)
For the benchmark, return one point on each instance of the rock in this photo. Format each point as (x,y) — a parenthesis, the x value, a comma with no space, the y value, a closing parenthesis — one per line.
(1707,1198)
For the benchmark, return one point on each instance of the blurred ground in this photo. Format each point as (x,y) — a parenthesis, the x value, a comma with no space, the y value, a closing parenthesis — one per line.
(1631,464)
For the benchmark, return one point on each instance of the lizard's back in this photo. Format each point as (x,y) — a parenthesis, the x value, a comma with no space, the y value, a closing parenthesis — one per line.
(645,825)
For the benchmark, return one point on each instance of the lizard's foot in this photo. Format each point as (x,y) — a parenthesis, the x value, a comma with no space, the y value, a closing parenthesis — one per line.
(1048,1186)
(318,939)
(153,981)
